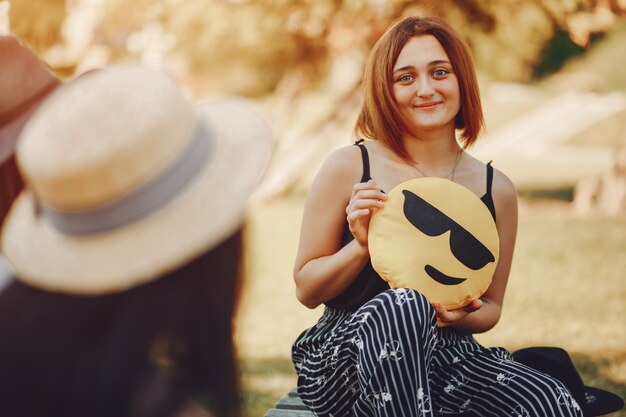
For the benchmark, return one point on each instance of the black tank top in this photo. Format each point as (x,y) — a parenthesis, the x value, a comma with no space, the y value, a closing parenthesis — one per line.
(368,283)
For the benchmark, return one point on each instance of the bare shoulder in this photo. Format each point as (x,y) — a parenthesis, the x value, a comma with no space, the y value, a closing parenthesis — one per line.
(324,210)
(343,165)
(503,190)
(504,198)
(503,186)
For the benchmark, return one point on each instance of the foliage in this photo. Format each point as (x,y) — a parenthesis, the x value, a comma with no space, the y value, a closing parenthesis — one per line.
(248,47)
(304,58)
(39,22)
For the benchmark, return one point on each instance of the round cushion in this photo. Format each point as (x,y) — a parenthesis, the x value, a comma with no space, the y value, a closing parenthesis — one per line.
(436,237)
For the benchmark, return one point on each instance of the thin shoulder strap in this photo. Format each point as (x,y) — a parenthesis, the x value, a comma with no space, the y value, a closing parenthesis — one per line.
(489,177)
(366,161)
(488,198)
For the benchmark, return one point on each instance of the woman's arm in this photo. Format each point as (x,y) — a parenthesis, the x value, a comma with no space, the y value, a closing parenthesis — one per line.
(486,311)
(323,269)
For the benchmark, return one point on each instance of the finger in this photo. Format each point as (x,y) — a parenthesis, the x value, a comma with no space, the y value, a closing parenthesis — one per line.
(370,185)
(361,204)
(438,307)
(440,310)
(369,195)
(447,317)
(357,214)
(473,306)
(372,194)
(442,322)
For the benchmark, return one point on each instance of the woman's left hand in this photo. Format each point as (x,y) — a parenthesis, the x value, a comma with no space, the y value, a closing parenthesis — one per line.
(447,317)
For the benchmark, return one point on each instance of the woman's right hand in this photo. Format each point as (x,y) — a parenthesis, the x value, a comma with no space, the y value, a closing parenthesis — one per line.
(366,196)
(324,266)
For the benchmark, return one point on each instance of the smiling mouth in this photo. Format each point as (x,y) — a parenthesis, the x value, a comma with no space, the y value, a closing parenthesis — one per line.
(442,278)
(426,106)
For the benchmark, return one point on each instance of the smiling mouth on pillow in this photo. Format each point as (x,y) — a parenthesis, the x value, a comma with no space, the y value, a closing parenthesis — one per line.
(442,278)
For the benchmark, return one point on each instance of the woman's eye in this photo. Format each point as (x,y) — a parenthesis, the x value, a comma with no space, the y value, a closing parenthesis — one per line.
(405,78)
(440,73)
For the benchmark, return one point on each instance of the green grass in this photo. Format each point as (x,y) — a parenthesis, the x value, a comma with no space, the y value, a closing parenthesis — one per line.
(264,381)
(567,288)
(256,401)
(604,61)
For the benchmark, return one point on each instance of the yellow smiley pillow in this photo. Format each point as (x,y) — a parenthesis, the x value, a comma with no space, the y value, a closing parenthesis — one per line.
(436,237)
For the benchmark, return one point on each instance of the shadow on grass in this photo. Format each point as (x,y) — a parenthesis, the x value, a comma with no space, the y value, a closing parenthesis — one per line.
(551,194)
(265,381)
(596,371)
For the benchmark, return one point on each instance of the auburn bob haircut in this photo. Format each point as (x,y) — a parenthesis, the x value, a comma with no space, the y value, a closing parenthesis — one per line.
(380,117)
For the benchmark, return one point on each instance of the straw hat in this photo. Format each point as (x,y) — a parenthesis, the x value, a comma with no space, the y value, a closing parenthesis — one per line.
(25,83)
(127,181)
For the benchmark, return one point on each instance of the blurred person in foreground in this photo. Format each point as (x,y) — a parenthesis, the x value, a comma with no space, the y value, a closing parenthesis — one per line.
(126,246)
(25,82)
(378,351)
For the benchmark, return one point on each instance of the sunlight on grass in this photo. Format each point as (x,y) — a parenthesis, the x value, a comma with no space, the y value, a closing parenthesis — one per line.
(566,288)
(263,382)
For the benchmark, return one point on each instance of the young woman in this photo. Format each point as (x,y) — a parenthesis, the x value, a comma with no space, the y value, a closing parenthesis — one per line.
(125,250)
(374,353)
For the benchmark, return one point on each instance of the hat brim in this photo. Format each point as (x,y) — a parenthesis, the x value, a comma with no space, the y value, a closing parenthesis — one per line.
(206,212)
(600,402)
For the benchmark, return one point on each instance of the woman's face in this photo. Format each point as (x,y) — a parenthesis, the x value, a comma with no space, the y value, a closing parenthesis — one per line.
(425,86)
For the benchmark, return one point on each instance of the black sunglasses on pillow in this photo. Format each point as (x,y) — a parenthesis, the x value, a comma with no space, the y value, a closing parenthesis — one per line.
(432,222)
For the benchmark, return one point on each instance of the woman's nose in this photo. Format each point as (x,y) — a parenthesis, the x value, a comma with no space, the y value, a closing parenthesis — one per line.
(424,88)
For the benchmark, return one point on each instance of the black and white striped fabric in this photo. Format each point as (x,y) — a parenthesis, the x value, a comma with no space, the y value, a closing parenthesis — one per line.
(389,358)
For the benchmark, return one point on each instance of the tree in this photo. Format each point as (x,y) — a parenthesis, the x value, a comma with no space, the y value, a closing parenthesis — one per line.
(304,58)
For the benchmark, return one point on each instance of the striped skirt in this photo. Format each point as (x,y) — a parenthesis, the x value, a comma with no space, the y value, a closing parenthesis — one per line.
(389,358)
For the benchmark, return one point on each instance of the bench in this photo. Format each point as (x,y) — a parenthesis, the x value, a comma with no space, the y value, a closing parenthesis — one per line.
(290,406)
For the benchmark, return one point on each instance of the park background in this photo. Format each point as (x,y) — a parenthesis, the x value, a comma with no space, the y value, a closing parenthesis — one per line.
(553,85)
